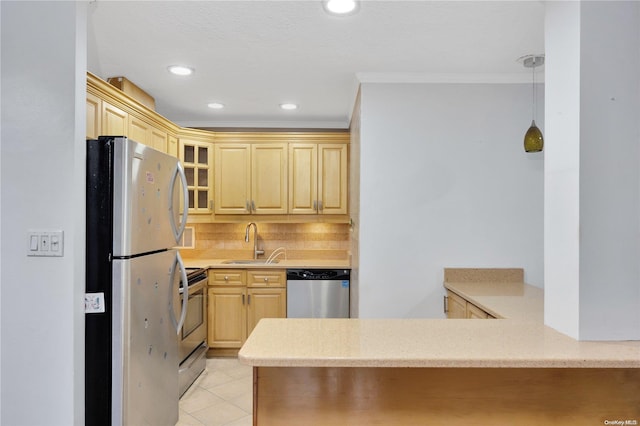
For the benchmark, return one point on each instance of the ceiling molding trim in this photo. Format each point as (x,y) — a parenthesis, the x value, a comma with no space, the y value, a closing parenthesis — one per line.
(410,77)
(267,124)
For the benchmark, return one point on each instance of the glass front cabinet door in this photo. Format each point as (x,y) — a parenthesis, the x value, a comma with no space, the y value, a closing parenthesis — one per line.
(197,160)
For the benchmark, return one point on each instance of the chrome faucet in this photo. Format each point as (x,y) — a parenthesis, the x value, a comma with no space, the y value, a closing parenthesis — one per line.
(256,252)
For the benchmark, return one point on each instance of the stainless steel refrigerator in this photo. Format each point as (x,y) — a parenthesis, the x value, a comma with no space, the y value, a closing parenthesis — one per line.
(132,275)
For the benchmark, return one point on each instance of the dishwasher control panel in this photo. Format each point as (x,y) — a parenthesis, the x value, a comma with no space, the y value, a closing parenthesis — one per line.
(318,274)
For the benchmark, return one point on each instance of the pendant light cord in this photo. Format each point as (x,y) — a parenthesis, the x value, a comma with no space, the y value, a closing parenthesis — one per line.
(533,89)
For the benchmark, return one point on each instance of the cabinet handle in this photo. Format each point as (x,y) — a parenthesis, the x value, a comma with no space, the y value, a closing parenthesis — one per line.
(211,205)
(446,305)
(253,206)
(315,205)
(243,299)
(320,206)
(248,207)
(248,299)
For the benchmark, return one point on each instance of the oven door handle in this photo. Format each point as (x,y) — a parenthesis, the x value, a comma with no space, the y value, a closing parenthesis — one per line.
(198,286)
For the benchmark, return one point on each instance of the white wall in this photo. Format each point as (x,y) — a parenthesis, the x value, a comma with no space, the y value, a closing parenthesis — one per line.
(592,180)
(444,182)
(562,167)
(610,171)
(354,208)
(42,186)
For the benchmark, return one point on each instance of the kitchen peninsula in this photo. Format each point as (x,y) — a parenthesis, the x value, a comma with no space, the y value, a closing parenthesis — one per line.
(454,372)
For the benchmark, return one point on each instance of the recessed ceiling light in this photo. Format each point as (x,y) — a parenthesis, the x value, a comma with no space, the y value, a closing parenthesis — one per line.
(289,106)
(180,70)
(340,7)
(215,105)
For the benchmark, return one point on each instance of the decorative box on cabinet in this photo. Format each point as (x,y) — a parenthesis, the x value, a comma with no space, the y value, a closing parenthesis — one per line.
(134,91)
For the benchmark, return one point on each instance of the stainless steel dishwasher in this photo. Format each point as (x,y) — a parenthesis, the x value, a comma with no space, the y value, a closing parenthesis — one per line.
(318,293)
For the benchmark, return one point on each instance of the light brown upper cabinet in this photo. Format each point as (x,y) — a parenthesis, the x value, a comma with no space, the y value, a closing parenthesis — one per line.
(269,178)
(139,131)
(197,160)
(145,133)
(318,178)
(283,176)
(172,145)
(115,121)
(94,116)
(250,178)
(158,139)
(111,113)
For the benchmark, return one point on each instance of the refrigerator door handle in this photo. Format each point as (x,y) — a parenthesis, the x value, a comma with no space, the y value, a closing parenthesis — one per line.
(179,171)
(185,295)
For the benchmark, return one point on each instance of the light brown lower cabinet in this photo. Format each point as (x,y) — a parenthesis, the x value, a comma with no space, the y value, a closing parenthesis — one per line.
(444,396)
(265,303)
(227,326)
(456,306)
(237,300)
(473,312)
(459,308)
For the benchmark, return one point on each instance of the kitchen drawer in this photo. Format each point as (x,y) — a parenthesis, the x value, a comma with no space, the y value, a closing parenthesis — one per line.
(266,278)
(227,277)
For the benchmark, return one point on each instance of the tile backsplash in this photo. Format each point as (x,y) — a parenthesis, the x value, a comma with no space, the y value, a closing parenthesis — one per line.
(300,240)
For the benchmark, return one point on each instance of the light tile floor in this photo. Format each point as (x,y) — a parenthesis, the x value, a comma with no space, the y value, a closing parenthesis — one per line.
(221,396)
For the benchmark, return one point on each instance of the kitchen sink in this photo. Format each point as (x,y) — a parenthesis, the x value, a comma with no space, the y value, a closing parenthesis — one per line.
(249,262)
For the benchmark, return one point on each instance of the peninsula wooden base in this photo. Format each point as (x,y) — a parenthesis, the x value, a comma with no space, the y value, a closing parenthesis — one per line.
(445,396)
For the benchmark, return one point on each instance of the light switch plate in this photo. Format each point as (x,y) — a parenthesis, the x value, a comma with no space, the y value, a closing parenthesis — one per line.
(45,242)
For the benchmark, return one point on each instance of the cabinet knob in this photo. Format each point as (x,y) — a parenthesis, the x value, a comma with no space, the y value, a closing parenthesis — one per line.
(226,278)
(266,279)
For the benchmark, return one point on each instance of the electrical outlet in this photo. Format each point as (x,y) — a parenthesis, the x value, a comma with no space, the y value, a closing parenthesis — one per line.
(94,303)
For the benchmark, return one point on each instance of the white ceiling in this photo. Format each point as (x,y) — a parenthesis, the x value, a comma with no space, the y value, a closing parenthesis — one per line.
(254,55)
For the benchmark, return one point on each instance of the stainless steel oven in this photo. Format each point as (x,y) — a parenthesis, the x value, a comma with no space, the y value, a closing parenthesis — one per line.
(193,336)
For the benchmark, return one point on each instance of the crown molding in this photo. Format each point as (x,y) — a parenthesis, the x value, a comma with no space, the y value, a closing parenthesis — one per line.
(411,77)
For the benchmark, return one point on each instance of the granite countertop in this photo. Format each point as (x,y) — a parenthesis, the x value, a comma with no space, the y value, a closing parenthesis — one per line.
(282,264)
(514,301)
(517,339)
(426,343)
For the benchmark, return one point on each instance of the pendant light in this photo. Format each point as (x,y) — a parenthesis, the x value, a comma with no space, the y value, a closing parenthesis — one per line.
(533,140)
